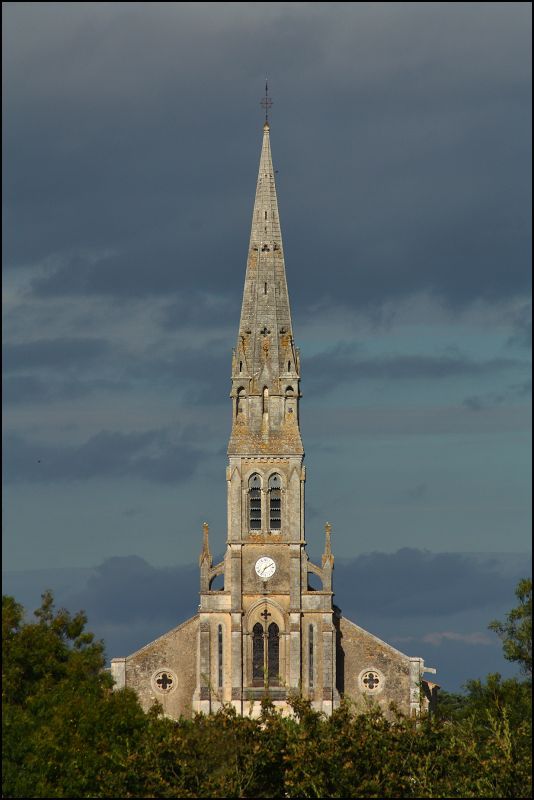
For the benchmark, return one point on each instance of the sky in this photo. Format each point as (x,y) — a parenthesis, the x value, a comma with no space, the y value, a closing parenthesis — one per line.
(401,136)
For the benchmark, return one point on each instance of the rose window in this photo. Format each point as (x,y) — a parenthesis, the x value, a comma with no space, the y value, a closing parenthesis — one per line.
(164,681)
(372,680)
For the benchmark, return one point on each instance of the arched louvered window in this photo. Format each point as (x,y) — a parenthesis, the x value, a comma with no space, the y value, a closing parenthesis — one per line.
(273,654)
(258,647)
(254,502)
(275,503)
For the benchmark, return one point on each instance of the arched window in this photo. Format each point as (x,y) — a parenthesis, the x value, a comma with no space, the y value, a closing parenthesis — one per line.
(265,400)
(275,503)
(257,654)
(266,654)
(273,654)
(254,502)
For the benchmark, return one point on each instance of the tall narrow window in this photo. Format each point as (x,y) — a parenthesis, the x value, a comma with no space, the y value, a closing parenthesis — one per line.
(310,657)
(273,654)
(275,503)
(254,502)
(220,655)
(265,404)
(257,654)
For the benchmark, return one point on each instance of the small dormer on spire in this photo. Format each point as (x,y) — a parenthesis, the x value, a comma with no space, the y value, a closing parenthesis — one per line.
(328,558)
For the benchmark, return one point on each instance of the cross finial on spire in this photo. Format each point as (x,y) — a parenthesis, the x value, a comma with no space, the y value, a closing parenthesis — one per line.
(266,103)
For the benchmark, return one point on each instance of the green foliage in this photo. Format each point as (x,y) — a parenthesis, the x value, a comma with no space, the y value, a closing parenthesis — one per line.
(66,734)
(516,632)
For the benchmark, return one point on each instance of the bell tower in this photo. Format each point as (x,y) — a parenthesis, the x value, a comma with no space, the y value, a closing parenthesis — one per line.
(266,632)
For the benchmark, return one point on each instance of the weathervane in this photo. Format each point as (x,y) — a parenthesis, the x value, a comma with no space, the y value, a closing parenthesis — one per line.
(266,103)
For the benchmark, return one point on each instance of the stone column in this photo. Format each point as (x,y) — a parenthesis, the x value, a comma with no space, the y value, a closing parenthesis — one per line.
(237,629)
(416,672)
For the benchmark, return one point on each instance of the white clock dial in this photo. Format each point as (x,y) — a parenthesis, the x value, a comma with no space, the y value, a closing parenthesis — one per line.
(265,567)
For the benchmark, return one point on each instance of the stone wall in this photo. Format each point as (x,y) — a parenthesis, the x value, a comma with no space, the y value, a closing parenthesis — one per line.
(371,671)
(175,655)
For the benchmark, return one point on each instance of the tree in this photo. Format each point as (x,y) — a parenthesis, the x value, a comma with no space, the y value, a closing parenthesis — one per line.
(65,733)
(516,632)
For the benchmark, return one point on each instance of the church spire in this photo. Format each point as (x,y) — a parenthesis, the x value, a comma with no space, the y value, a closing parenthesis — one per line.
(266,363)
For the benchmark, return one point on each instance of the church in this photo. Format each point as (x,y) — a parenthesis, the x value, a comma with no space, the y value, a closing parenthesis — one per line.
(267,632)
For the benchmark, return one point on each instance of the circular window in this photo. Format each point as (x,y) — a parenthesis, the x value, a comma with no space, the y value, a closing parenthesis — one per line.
(372,681)
(164,681)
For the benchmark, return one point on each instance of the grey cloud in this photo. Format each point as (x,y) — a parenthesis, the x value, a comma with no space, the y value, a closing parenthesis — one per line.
(198,308)
(151,455)
(408,179)
(523,389)
(522,324)
(342,362)
(419,583)
(36,390)
(514,391)
(63,353)
(418,492)
(50,370)
(161,593)
(474,403)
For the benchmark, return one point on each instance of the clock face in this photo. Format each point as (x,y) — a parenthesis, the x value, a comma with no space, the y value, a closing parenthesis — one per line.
(265,567)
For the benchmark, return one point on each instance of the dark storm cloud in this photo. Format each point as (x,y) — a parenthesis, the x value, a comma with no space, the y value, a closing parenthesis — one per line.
(23,389)
(522,326)
(513,392)
(402,137)
(70,368)
(54,353)
(415,583)
(200,373)
(199,308)
(160,592)
(35,390)
(151,455)
(345,363)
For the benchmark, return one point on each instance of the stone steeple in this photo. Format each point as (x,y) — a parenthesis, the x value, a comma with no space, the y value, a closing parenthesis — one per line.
(265,364)
(266,624)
